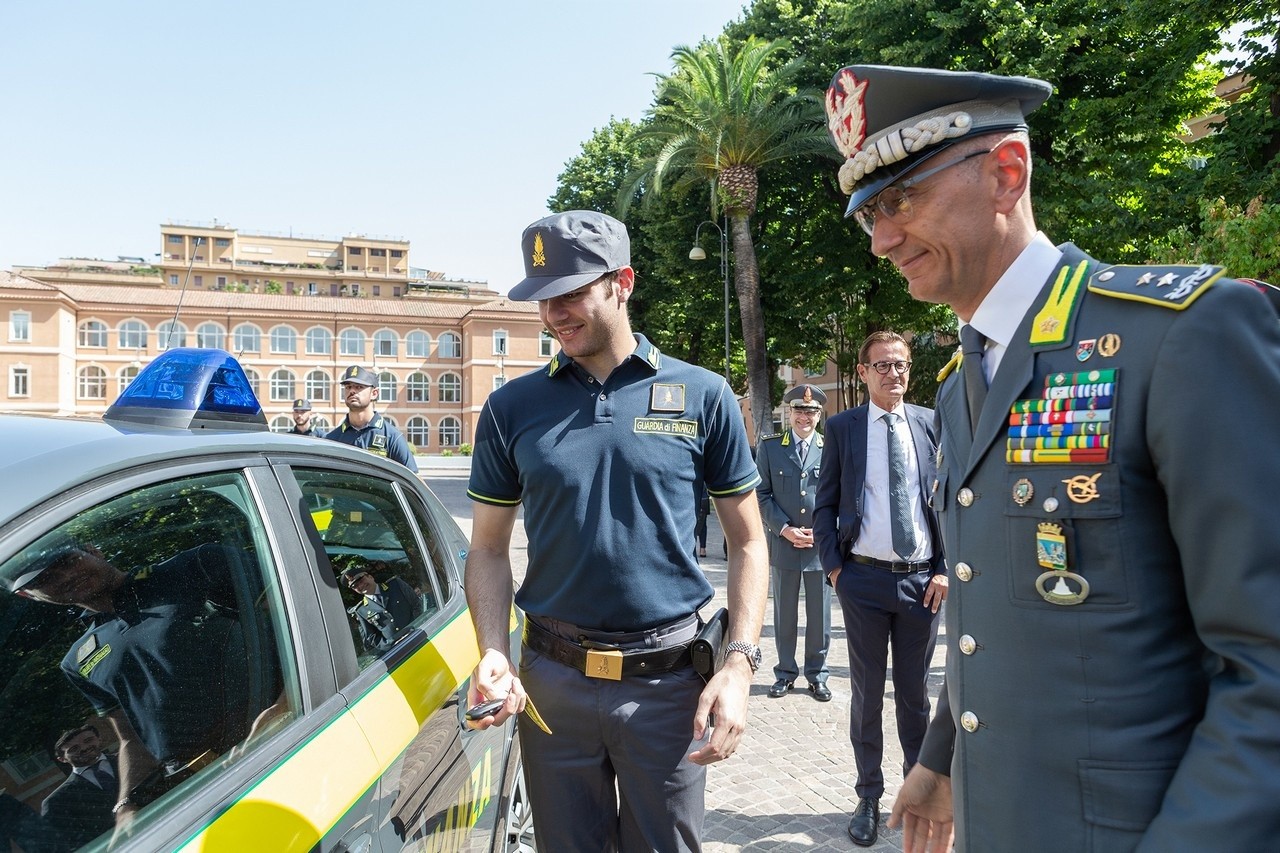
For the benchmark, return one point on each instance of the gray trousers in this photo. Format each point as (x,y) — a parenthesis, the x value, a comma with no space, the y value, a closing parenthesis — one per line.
(817,623)
(614,775)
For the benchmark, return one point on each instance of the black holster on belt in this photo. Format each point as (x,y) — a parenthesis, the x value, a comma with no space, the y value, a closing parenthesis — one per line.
(707,649)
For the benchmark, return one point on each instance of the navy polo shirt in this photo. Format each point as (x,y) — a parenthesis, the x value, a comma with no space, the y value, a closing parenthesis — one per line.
(380,436)
(159,656)
(610,477)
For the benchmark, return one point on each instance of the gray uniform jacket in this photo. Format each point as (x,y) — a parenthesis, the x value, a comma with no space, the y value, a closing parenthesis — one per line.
(839,509)
(1146,716)
(787,492)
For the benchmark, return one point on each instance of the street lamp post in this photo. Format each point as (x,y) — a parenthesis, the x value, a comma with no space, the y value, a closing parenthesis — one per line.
(697,254)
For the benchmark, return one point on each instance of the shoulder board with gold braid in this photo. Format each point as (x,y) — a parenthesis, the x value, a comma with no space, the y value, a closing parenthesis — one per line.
(1173,287)
(771,436)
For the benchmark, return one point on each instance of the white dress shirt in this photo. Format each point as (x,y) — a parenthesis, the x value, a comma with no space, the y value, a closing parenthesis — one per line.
(1002,310)
(875,538)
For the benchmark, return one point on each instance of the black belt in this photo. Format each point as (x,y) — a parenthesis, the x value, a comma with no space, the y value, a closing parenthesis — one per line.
(595,662)
(900,567)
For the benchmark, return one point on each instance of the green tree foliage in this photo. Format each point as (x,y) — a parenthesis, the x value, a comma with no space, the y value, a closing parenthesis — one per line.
(1243,239)
(726,111)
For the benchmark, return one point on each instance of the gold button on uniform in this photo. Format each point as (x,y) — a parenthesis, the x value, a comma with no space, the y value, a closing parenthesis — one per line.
(968,644)
(969,721)
(964,572)
(965,497)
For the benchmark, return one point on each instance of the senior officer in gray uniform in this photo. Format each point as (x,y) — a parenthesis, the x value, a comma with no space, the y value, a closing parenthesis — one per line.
(385,608)
(608,448)
(881,549)
(789,464)
(1114,682)
(363,427)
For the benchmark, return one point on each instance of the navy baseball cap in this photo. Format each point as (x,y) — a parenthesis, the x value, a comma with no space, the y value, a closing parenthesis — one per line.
(301,405)
(359,376)
(568,250)
(887,120)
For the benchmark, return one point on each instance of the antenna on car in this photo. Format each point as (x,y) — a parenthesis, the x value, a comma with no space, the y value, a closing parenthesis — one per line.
(173,325)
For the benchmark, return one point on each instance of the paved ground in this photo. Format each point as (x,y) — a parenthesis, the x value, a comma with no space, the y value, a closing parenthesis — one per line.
(790,786)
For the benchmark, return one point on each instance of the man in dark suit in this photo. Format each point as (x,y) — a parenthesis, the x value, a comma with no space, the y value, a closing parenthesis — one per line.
(80,809)
(384,610)
(880,547)
(1115,679)
(789,465)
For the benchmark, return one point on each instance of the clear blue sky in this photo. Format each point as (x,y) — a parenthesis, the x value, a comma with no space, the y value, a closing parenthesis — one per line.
(445,123)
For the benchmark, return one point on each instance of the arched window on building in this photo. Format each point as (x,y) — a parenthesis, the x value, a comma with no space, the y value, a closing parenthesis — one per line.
(351,343)
(450,387)
(319,341)
(133,335)
(450,432)
(246,338)
(92,383)
(387,389)
(210,336)
(450,346)
(170,335)
(417,345)
(92,333)
(318,384)
(418,432)
(385,344)
(283,386)
(418,387)
(284,340)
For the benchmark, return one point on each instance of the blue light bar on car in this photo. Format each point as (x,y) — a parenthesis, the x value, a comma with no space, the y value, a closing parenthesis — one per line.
(190,388)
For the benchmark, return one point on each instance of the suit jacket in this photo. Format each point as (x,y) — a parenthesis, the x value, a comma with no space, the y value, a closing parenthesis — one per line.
(787,492)
(1145,716)
(838,513)
(78,811)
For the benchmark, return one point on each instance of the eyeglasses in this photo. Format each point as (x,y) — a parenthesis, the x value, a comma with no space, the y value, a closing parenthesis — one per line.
(893,202)
(882,367)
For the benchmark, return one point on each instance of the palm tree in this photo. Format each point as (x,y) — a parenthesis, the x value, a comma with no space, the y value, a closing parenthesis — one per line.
(722,115)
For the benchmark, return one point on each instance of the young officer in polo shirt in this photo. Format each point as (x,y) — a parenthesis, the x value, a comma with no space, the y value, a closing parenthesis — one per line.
(608,449)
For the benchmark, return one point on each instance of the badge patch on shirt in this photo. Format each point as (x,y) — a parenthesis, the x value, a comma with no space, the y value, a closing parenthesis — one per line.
(664,426)
(94,660)
(86,648)
(379,442)
(664,397)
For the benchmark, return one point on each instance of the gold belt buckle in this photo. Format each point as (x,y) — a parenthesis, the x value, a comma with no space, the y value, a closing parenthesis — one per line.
(604,663)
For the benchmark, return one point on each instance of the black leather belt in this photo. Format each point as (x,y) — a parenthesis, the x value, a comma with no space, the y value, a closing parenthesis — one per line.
(900,567)
(601,662)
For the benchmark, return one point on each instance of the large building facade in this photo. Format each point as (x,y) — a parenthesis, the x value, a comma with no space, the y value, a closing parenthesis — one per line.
(75,334)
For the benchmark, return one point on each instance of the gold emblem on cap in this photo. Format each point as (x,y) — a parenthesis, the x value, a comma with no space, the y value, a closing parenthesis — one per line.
(539,256)
(1109,345)
(808,394)
(1082,488)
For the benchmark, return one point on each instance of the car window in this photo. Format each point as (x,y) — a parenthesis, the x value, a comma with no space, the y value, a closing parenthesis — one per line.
(144,649)
(386,564)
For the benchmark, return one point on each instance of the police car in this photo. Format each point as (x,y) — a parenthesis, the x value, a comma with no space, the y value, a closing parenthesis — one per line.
(181,666)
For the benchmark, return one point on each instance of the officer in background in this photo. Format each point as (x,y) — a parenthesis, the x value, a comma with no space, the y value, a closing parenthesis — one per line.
(363,426)
(302,423)
(385,609)
(789,464)
(79,810)
(1114,682)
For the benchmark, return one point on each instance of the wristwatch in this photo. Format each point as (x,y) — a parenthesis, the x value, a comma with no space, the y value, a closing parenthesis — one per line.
(749,651)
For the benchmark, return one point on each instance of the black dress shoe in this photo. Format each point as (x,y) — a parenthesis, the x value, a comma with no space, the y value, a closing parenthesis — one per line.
(780,688)
(820,691)
(865,825)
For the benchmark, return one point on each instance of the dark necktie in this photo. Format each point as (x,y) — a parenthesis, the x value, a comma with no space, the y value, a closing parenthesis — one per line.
(972,344)
(904,535)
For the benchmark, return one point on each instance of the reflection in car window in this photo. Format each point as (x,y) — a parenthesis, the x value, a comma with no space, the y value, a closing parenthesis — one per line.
(143,648)
(383,569)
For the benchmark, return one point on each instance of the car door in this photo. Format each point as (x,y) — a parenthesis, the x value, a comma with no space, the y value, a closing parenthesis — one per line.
(197,673)
(380,538)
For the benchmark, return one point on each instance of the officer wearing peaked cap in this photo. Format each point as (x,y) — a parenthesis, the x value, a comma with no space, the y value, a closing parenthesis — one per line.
(789,465)
(363,426)
(1112,620)
(608,450)
(302,423)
